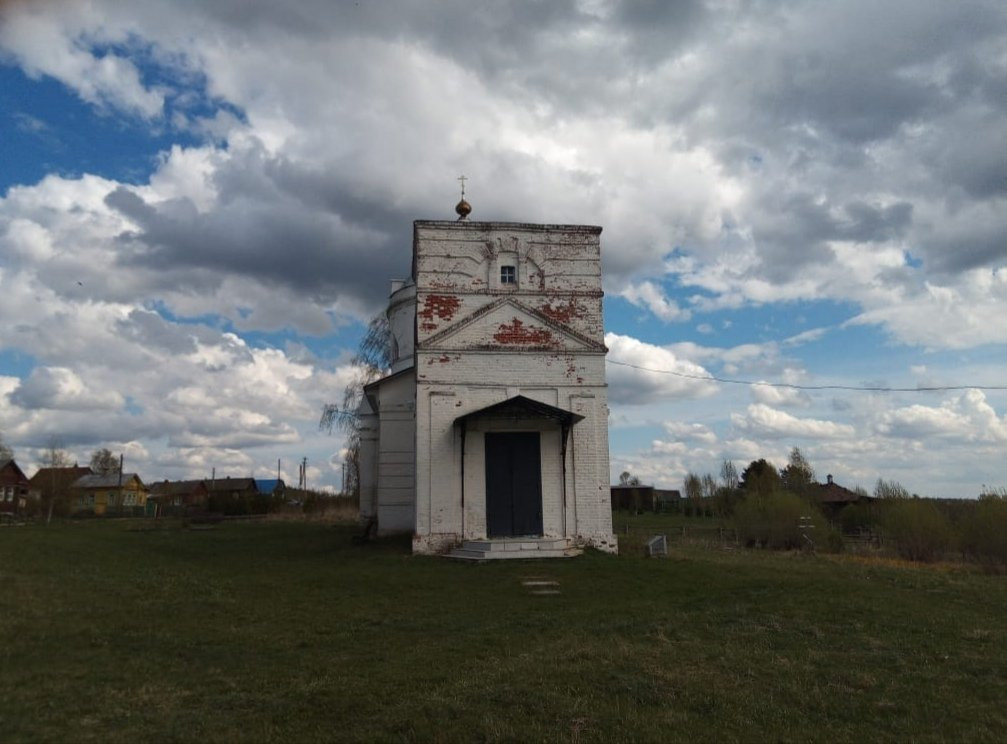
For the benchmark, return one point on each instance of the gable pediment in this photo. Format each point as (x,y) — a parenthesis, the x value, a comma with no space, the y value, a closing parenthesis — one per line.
(508,323)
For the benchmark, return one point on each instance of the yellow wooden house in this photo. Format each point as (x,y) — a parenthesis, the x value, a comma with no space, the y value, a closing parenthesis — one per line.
(108,494)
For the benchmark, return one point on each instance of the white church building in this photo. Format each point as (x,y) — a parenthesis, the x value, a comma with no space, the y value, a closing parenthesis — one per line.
(489,437)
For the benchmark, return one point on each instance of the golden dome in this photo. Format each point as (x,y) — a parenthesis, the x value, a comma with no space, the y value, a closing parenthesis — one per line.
(463,208)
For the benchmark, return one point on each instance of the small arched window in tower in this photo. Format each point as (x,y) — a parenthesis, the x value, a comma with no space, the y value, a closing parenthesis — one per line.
(508,275)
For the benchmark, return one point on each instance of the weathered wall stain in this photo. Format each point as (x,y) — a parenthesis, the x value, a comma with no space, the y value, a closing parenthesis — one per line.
(442,359)
(563,312)
(516,333)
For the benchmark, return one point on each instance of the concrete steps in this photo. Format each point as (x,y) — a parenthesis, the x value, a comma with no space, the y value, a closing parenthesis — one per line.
(514,548)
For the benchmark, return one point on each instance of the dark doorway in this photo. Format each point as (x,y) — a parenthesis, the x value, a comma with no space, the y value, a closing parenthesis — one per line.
(513,484)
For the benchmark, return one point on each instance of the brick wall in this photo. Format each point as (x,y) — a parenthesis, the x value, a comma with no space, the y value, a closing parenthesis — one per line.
(480,342)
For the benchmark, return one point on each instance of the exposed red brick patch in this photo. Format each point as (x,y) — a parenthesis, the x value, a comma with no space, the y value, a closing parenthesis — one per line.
(516,333)
(441,307)
(563,312)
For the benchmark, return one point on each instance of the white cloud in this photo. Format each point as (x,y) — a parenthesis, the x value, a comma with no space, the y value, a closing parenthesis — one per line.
(61,51)
(58,387)
(642,373)
(648,295)
(955,316)
(772,395)
(761,420)
(692,432)
(966,418)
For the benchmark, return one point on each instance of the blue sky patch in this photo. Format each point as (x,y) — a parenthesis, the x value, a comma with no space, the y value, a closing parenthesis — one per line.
(16,363)
(48,129)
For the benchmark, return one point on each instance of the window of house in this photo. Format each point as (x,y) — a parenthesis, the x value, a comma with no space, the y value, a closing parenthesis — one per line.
(508,275)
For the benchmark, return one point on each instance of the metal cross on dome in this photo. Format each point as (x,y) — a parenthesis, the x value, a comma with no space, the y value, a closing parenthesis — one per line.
(463,208)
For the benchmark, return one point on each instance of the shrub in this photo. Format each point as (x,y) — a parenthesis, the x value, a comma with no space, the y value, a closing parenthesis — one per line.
(857,517)
(920,531)
(984,530)
(833,541)
(773,520)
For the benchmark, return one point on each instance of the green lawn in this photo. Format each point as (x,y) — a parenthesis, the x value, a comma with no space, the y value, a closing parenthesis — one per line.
(114,631)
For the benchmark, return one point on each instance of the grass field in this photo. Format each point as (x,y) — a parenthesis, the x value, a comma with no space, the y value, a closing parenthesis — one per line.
(257,631)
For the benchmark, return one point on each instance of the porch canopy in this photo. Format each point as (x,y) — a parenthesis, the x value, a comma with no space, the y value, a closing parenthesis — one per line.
(520,407)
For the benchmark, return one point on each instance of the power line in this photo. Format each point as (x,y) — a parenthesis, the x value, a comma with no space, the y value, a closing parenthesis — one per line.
(792,386)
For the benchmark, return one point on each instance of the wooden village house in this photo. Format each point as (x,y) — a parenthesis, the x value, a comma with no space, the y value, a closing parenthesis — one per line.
(53,485)
(13,488)
(232,495)
(178,495)
(492,427)
(833,497)
(103,494)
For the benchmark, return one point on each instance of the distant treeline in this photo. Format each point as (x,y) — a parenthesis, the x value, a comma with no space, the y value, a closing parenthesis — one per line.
(788,508)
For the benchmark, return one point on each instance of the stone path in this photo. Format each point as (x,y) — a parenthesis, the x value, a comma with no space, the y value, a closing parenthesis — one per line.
(540,586)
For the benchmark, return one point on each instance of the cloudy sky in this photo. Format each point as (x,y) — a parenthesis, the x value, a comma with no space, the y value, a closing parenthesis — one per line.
(202,203)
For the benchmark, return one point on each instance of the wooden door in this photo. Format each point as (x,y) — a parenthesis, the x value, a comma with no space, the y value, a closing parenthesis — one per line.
(513,484)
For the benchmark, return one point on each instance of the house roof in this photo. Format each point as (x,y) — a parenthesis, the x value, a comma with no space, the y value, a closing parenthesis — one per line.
(833,493)
(171,488)
(387,378)
(521,407)
(231,484)
(4,464)
(109,480)
(268,485)
(46,478)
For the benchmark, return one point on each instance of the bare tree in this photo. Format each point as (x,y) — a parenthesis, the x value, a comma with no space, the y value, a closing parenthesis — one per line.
(628,479)
(889,490)
(371,361)
(693,488)
(104,462)
(728,475)
(6,453)
(709,487)
(55,457)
